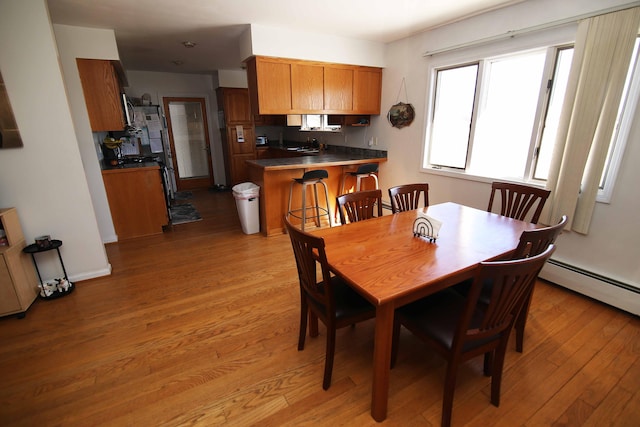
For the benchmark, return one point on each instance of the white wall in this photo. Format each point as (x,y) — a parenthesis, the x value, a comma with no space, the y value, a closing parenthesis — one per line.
(270,41)
(611,248)
(89,43)
(232,78)
(45,180)
(160,85)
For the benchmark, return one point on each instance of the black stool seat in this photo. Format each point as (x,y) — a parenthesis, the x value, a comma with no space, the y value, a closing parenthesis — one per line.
(313,175)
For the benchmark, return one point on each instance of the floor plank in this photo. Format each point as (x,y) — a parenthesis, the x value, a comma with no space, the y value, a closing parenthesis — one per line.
(199,325)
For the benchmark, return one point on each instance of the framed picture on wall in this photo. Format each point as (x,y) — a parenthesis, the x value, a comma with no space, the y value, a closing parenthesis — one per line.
(9,133)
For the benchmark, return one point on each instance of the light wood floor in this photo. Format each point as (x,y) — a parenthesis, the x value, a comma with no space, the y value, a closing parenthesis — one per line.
(198,326)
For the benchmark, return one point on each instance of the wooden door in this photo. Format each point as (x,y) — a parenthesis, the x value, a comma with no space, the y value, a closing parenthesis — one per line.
(189,141)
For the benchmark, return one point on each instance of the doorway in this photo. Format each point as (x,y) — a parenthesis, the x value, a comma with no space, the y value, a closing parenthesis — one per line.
(190,143)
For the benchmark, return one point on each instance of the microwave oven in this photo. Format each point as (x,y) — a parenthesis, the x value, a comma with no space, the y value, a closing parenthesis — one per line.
(262,140)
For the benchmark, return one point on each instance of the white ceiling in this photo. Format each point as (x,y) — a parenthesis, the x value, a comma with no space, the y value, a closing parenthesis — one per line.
(149,33)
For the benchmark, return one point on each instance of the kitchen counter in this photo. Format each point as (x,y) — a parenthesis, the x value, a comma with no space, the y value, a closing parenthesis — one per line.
(274,176)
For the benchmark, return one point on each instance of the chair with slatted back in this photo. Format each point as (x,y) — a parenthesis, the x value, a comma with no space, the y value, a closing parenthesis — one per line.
(359,205)
(517,200)
(331,300)
(462,327)
(407,197)
(532,242)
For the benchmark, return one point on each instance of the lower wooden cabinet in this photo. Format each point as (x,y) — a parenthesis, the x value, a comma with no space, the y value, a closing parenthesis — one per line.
(18,280)
(136,200)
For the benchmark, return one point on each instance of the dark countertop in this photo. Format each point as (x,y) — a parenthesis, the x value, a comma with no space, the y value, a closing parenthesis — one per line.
(315,161)
(333,156)
(129,166)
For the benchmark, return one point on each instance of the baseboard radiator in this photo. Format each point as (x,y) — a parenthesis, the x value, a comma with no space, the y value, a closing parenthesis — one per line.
(622,295)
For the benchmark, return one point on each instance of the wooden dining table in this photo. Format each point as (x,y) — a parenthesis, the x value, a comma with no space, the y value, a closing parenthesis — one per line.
(383,261)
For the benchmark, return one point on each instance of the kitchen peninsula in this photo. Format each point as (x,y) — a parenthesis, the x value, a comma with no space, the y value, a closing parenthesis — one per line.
(274,177)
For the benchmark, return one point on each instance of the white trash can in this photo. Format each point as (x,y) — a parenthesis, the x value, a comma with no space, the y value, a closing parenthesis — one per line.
(247,195)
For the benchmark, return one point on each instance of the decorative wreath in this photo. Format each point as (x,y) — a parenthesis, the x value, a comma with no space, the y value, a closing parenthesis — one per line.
(401,114)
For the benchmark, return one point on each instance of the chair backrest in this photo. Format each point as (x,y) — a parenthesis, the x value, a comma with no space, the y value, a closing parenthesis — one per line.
(407,197)
(512,284)
(359,205)
(518,200)
(309,253)
(534,242)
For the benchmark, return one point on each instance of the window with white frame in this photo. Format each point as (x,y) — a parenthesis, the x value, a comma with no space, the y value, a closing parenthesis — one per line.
(497,116)
(485,115)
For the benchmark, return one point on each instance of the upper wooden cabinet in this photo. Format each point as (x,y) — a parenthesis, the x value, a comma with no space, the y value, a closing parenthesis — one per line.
(289,86)
(102,87)
(235,104)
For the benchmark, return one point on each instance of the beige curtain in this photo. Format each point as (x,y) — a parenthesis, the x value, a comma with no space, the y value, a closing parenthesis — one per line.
(602,53)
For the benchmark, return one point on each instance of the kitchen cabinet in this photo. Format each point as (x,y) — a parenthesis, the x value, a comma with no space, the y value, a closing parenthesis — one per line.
(102,85)
(236,110)
(136,200)
(289,86)
(18,281)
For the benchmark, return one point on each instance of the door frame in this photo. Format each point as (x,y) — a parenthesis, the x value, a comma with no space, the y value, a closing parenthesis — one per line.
(189,183)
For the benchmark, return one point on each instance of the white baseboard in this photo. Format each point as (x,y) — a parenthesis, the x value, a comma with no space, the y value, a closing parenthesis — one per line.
(91,274)
(623,296)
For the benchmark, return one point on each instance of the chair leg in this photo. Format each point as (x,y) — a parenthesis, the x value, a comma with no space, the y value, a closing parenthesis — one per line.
(449,389)
(488,363)
(498,365)
(375,178)
(313,324)
(521,322)
(328,362)
(326,197)
(304,206)
(304,312)
(315,194)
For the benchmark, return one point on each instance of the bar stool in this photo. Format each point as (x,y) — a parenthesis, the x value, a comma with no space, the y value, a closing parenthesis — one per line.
(368,170)
(313,178)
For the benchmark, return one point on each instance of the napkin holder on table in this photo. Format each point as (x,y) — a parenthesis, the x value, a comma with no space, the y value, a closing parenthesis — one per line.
(426,226)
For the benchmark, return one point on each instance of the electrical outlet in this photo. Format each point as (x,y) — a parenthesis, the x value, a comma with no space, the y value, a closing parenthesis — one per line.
(371,142)
(375,141)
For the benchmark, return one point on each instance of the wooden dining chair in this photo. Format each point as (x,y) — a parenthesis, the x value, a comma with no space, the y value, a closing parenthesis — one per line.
(461,327)
(532,242)
(331,300)
(407,197)
(517,200)
(359,205)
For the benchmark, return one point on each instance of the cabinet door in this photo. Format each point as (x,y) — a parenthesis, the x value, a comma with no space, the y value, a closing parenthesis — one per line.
(237,109)
(239,168)
(102,94)
(307,88)
(246,147)
(9,302)
(272,86)
(338,89)
(367,90)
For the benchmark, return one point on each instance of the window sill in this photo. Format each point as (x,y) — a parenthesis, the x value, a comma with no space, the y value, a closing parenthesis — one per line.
(478,178)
